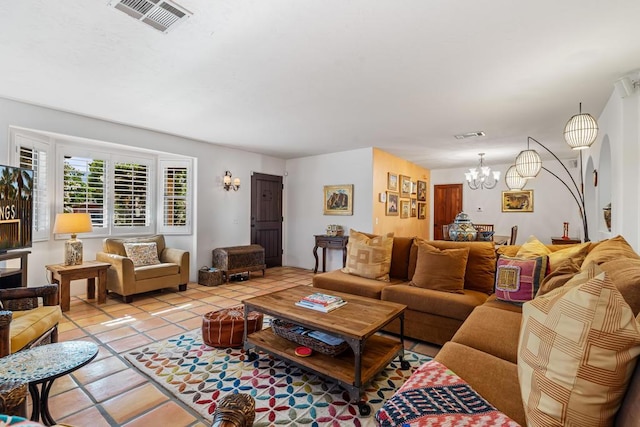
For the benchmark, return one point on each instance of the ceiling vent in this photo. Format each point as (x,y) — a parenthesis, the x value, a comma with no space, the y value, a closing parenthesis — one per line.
(162,15)
(470,135)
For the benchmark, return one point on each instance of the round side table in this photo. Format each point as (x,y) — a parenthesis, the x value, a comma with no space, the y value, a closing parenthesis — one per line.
(42,365)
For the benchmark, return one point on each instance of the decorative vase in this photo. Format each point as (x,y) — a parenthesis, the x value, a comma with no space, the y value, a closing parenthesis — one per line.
(607,215)
(462,230)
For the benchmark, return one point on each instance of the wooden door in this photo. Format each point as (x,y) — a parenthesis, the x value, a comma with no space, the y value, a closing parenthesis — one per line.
(447,203)
(266,216)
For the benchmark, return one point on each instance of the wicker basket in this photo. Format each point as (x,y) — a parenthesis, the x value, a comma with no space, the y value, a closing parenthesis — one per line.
(288,330)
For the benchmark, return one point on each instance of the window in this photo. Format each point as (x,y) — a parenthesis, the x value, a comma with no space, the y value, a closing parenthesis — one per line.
(32,152)
(117,185)
(175,188)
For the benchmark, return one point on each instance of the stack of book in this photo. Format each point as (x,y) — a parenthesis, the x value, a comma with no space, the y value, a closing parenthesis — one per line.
(321,302)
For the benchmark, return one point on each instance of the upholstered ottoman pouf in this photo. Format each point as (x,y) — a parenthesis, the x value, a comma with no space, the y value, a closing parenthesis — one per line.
(225,328)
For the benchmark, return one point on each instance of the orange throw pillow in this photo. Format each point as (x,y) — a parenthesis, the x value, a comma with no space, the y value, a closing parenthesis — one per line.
(440,270)
(369,257)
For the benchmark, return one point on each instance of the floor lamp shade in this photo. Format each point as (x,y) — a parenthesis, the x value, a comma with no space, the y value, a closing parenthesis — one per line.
(528,164)
(581,131)
(72,223)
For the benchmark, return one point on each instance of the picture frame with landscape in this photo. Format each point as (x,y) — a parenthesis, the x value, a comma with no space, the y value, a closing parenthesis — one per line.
(517,201)
(338,199)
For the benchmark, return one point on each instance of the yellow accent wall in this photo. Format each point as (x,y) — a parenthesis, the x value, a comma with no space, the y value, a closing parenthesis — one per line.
(383,163)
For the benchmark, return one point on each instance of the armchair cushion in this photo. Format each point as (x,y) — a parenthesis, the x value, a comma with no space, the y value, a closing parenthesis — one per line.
(159,270)
(29,325)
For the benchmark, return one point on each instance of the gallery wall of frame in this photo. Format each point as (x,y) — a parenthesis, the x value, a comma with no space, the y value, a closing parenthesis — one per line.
(401,196)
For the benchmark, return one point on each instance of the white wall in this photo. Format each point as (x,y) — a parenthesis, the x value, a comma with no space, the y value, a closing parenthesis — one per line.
(619,126)
(552,203)
(221,217)
(304,216)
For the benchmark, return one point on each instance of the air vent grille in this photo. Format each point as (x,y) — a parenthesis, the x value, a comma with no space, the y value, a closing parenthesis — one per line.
(470,135)
(159,14)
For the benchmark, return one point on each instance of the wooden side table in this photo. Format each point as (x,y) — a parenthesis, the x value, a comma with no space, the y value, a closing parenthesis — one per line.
(561,241)
(331,242)
(64,274)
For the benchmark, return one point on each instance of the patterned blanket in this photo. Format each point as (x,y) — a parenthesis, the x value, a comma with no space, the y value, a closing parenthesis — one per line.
(435,396)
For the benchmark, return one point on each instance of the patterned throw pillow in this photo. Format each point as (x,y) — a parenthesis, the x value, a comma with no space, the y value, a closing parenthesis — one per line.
(142,253)
(518,279)
(369,257)
(577,349)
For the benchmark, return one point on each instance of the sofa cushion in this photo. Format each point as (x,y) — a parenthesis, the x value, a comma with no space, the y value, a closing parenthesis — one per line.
(557,253)
(115,246)
(28,325)
(492,330)
(518,279)
(369,257)
(625,275)
(608,250)
(481,264)
(440,270)
(577,350)
(145,272)
(338,281)
(142,253)
(445,304)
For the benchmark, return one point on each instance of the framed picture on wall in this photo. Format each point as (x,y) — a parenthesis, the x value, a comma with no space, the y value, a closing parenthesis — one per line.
(392,181)
(338,199)
(414,208)
(405,208)
(405,186)
(517,201)
(422,191)
(392,203)
(422,210)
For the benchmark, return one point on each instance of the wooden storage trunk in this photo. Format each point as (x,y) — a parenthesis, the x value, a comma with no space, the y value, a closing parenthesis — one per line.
(239,259)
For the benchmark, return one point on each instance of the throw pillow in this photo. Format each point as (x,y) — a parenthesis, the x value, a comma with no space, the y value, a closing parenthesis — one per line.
(532,248)
(518,279)
(607,250)
(577,349)
(577,253)
(625,275)
(559,276)
(440,270)
(369,257)
(142,253)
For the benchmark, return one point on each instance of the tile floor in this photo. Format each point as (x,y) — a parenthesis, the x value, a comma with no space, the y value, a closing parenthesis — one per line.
(108,391)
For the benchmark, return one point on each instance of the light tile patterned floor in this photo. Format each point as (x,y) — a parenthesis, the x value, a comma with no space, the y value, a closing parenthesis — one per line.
(108,391)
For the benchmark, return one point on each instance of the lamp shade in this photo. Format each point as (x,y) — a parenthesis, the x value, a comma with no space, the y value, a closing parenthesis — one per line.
(528,164)
(72,223)
(513,179)
(581,131)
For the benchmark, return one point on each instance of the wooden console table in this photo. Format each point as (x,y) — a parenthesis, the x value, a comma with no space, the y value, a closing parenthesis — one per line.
(331,242)
(64,274)
(561,241)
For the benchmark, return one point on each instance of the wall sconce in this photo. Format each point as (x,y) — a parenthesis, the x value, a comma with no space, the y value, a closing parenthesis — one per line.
(226,180)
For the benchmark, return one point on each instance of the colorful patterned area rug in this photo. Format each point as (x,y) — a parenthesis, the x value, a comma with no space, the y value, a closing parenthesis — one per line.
(285,395)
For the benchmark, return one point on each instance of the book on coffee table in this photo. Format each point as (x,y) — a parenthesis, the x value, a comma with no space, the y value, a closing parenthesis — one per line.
(322,299)
(320,307)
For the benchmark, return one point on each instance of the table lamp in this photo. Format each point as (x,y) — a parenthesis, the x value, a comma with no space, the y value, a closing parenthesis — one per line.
(72,223)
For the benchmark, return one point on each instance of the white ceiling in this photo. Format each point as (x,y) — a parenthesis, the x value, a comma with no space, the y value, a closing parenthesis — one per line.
(293,78)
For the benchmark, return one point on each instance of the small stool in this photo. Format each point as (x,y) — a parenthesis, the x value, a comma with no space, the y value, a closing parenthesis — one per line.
(225,328)
(235,410)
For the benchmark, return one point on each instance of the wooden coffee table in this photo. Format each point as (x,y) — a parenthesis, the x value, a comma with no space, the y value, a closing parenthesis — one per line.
(356,322)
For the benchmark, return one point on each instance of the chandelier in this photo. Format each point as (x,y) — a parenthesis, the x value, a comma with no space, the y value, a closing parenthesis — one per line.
(482,177)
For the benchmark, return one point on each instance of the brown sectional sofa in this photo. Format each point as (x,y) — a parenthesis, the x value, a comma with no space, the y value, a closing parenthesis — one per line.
(431,316)
(480,333)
